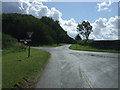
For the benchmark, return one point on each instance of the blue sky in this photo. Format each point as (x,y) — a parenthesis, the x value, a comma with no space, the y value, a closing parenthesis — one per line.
(82,10)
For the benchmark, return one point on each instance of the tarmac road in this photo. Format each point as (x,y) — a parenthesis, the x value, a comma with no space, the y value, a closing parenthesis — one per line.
(79,69)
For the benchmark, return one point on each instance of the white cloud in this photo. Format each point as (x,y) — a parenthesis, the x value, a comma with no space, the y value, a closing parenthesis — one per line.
(69,26)
(35,0)
(106,29)
(104,6)
(37,9)
(55,14)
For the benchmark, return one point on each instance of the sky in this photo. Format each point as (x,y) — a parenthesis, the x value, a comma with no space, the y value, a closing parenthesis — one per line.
(103,16)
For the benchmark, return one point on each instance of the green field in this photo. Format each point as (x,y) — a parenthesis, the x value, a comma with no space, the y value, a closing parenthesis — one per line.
(20,70)
(89,48)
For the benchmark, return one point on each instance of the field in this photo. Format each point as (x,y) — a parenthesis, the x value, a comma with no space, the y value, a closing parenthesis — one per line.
(20,71)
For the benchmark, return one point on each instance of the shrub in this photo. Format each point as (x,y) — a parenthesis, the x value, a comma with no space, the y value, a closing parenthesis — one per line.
(11,43)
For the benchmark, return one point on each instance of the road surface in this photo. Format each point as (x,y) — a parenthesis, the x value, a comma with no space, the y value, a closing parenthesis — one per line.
(79,69)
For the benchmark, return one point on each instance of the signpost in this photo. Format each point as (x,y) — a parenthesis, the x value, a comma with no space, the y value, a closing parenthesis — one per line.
(25,40)
(28,41)
(29,34)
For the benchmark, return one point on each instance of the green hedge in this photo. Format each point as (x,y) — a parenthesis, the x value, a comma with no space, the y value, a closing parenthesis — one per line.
(106,44)
(101,44)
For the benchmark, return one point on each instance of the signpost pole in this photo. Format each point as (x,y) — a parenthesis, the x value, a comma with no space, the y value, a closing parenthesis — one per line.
(29,50)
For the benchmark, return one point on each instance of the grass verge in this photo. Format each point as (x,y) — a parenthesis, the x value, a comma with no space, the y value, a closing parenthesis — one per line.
(55,45)
(20,71)
(88,48)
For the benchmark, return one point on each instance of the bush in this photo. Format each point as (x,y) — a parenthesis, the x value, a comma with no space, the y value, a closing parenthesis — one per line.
(10,43)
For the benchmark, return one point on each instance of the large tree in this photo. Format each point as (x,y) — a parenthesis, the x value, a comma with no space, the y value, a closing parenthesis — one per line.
(85,29)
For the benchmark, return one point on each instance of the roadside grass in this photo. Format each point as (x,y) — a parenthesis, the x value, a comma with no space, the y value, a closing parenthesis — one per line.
(54,45)
(18,69)
(12,49)
(89,48)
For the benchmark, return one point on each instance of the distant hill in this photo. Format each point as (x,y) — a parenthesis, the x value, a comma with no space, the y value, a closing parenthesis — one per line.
(46,30)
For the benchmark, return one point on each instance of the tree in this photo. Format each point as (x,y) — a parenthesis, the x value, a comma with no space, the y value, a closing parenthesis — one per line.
(78,38)
(84,29)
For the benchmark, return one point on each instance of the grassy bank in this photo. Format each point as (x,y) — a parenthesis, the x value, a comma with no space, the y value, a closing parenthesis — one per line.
(55,45)
(89,48)
(19,70)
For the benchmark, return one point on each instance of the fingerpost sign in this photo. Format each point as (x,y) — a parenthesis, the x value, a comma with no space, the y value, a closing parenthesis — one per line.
(29,35)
